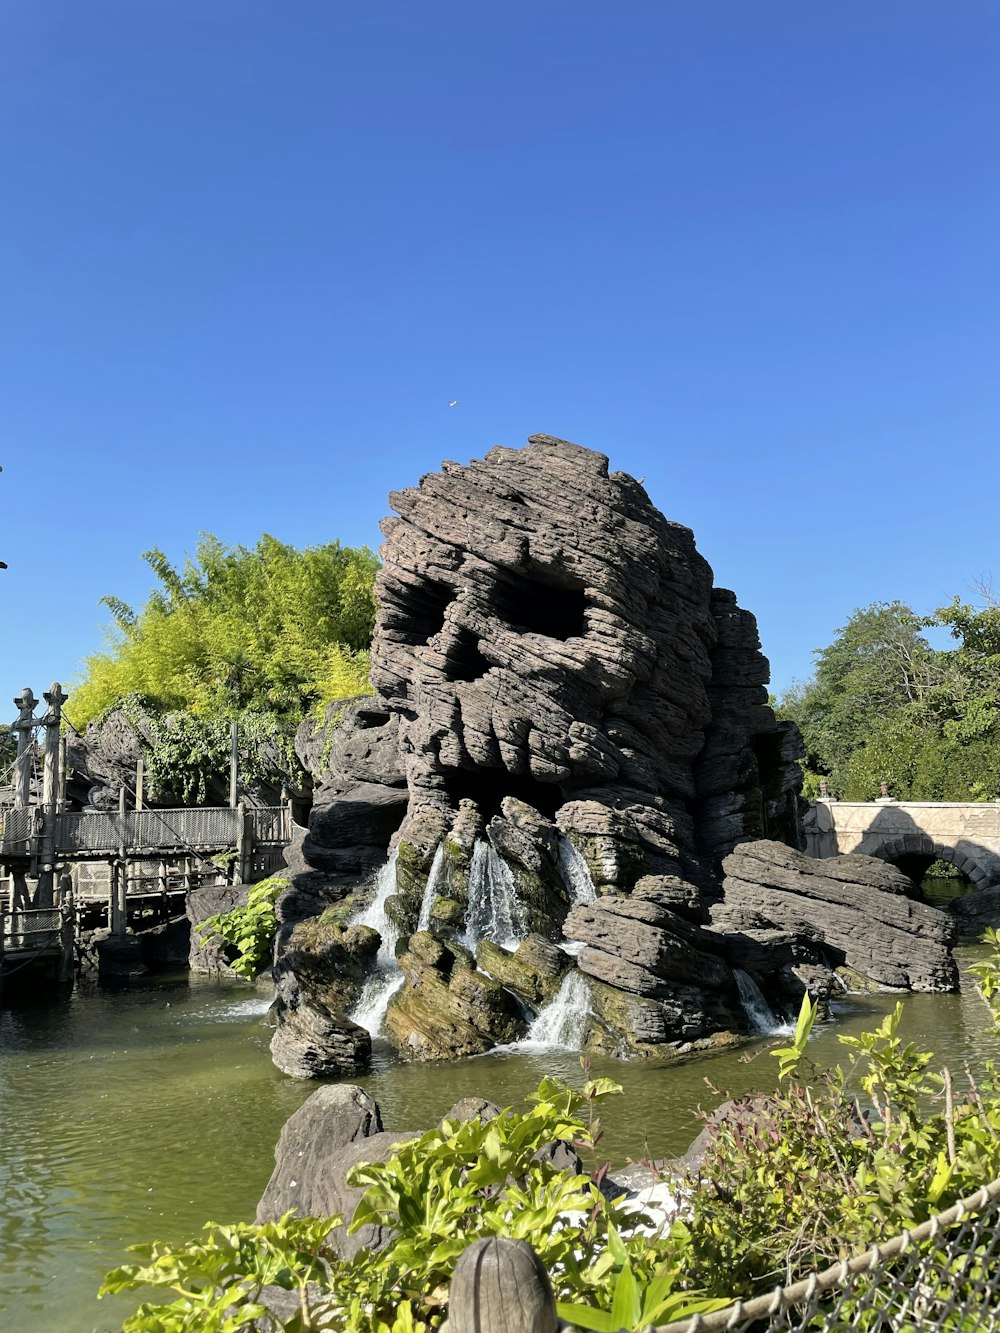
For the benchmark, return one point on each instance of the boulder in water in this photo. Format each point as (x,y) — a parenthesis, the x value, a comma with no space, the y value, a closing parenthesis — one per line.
(447,1008)
(846,910)
(533,971)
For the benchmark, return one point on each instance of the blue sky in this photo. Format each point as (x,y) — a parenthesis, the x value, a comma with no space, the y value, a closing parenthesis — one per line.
(249,252)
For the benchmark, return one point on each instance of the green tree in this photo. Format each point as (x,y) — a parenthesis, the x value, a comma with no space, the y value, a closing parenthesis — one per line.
(884,706)
(268,630)
(8,747)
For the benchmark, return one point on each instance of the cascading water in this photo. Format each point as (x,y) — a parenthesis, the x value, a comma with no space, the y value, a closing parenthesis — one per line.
(563,1021)
(432,890)
(386,979)
(575,874)
(760,1015)
(494,912)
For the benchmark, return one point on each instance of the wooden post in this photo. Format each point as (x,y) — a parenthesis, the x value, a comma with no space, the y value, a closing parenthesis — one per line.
(61,793)
(240,864)
(119,896)
(67,906)
(233,762)
(25,724)
(500,1286)
(55,699)
(138,783)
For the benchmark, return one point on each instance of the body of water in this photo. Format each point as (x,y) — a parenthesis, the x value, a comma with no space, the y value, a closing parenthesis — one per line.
(136,1115)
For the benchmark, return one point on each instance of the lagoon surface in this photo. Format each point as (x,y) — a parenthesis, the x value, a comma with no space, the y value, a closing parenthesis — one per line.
(132,1115)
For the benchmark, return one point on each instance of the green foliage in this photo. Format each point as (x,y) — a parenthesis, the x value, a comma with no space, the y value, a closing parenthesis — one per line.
(248,930)
(459,1182)
(271,630)
(815,1172)
(884,706)
(835,1161)
(986,974)
(8,747)
(221,1278)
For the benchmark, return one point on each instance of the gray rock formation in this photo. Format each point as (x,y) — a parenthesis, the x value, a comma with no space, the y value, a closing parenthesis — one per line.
(313,1041)
(976,911)
(447,1007)
(552,662)
(848,911)
(207,953)
(336,1129)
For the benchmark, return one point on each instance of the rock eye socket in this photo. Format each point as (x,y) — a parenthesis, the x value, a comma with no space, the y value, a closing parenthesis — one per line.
(533,604)
(426,607)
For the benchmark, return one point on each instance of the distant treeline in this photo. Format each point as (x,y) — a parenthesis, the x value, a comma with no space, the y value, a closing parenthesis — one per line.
(885,706)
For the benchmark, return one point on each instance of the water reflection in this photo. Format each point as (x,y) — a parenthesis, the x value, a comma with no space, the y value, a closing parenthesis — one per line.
(140,1114)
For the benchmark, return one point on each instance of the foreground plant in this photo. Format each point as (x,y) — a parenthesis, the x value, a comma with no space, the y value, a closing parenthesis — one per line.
(812,1173)
(460,1182)
(249,930)
(835,1160)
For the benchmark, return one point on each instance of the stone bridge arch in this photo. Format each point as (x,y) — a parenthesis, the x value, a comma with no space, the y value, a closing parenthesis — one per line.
(919,846)
(965,834)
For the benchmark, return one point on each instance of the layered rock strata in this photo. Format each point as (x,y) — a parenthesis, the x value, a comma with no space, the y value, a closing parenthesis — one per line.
(556,676)
(851,912)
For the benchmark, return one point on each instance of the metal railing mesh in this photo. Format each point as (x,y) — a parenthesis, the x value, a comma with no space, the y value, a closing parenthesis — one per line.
(34,928)
(944,1274)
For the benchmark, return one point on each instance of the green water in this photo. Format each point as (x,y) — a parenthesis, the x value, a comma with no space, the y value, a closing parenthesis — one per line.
(137,1115)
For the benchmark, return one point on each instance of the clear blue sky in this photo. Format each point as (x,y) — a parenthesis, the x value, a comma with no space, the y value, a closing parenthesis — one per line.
(250,251)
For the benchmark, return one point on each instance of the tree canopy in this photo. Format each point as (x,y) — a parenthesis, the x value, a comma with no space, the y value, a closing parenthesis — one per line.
(258,636)
(272,629)
(885,706)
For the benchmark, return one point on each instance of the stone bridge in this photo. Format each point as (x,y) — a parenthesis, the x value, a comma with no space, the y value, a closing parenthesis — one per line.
(911,834)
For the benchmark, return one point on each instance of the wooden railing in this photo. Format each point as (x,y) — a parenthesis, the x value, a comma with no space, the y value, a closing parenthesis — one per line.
(104,833)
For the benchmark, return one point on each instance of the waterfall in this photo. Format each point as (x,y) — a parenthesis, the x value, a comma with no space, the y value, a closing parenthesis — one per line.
(494,912)
(759,1014)
(575,874)
(386,978)
(432,890)
(563,1021)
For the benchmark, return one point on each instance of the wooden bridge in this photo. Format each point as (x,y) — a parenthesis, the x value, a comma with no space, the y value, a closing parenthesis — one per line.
(56,864)
(143,834)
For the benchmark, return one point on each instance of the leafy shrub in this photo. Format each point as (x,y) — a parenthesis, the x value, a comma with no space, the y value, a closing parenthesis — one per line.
(831,1163)
(248,930)
(456,1183)
(813,1173)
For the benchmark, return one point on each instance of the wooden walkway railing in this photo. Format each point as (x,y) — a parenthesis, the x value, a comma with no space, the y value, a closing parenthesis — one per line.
(143,832)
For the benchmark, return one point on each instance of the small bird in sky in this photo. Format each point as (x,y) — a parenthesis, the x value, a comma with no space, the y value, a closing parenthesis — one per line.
(453,403)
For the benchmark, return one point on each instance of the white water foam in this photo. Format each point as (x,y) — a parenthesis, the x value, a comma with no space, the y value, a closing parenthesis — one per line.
(386,979)
(760,1015)
(494,912)
(433,888)
(575,873)
(563,1021)
(254,1006)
